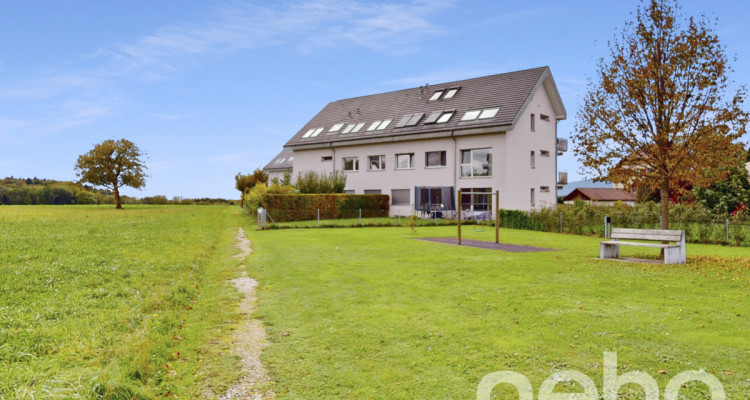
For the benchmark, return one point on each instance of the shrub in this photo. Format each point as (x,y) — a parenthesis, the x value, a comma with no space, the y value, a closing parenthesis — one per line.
(311,182)
(297,207)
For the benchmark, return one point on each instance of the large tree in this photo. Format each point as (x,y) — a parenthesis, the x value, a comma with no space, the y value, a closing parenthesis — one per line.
(113,164)
(660,114)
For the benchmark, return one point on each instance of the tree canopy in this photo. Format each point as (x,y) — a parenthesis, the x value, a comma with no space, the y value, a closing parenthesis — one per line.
(660,114)
(113,164)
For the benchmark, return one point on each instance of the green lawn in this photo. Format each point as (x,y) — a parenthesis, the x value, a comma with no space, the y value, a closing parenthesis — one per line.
(373,313)
(116,304)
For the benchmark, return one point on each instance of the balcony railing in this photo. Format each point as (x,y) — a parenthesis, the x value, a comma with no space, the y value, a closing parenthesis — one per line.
(562,146)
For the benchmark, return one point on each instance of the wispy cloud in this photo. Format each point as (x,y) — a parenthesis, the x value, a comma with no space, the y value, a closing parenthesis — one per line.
(391,28)
(446,75)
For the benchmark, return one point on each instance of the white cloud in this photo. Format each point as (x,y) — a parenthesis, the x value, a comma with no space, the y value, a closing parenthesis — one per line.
(387,28)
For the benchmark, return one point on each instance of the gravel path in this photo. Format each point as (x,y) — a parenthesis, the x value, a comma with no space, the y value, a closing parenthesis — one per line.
(250,338)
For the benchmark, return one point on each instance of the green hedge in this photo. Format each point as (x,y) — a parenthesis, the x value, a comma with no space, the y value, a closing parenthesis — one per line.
(299,207)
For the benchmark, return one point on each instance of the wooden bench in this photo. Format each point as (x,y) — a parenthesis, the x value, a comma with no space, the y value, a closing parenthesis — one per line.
(673,253)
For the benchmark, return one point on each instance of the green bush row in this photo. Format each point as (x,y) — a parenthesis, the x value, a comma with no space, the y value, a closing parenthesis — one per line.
(299,207)
(699,223)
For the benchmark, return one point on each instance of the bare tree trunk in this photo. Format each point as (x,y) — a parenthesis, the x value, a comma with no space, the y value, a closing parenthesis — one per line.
(665,204)
(118,205)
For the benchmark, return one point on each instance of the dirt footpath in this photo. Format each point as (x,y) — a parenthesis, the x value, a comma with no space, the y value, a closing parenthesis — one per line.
(250,338)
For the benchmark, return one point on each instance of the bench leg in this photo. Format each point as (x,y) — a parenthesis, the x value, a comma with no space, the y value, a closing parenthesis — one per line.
(674,255)
(608,250)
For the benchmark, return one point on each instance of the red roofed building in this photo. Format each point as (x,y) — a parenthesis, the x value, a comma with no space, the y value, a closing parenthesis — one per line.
(600,196)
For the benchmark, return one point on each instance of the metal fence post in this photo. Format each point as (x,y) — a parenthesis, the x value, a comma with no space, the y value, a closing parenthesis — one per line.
(360,216)
(727,230)
(319,218)
(399,220)
(560,222)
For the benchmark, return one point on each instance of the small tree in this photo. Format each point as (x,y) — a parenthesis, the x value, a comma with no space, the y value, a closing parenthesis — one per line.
(113,164)
(243,183)
(657,117)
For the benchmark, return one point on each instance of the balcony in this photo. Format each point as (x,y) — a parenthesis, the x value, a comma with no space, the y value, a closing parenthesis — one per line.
(562,178)
(562,146)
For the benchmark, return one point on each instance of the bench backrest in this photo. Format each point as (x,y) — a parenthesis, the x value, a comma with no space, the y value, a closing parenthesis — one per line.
(648,234)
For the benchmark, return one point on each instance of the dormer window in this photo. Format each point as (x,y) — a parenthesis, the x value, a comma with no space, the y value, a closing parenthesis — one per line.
(437,94)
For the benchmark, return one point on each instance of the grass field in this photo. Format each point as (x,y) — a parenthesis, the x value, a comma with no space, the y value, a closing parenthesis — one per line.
(101,303)
(135,304)
(374,314)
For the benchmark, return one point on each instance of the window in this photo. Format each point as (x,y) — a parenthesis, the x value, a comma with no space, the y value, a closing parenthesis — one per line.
(476,162)
(544,117)
(358,127)
(476,199)
(290,159)
(445,117)
(336,127)
(376,163)
(379,125)
(280,160)
(544,189)
(544,153)
(372,191)
(316,132)
(351,164)
(439,117)
(326,158)
(349,191)
(532,196)
(486,113)
(405,161)
(400,197)
(471,115)
(532,161)
(409,120)
(451,93)
(436,95)
(348,129)
(434,159)
(533,122)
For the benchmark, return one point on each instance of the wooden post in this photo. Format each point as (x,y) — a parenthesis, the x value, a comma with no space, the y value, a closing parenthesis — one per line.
(459,217)
(497,216)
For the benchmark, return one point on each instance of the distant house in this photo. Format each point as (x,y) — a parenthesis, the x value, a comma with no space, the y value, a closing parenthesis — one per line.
(280,165)
(566,189)
(600,196)
(421,145)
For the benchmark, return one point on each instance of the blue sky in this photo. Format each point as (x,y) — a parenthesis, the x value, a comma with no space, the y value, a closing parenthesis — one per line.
(210,89)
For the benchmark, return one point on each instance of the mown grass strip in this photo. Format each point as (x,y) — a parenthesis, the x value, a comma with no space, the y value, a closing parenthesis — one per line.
(372,313)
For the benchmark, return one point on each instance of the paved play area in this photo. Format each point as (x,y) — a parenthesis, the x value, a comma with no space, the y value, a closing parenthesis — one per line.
(513,248)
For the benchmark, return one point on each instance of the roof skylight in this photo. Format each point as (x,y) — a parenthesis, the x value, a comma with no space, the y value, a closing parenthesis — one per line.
(489,113)
(348,129)
(450,93)
(409,120)
(471,115)
(358,127)
(316,132)
(336,127)
(379,125)
(486,113)
(437,94)
(308,134)
(384,124)
(445,117)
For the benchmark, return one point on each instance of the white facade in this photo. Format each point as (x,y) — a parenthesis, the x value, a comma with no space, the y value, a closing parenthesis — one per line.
(523,161)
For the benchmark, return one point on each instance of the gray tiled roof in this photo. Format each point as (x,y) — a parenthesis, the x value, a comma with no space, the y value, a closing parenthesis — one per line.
(283,161)
(509,91)
(602,194)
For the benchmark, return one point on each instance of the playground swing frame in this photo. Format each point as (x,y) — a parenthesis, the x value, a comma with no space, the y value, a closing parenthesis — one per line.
(496,213)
